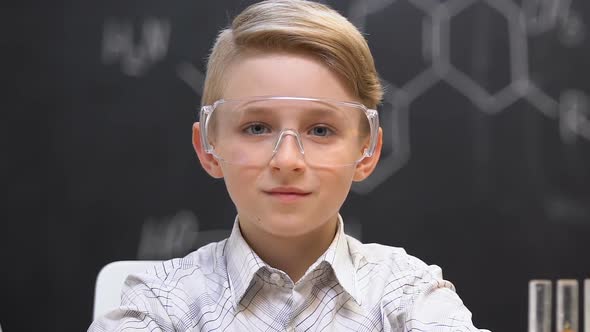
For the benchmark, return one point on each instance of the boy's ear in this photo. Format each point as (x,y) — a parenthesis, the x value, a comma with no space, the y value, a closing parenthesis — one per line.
(209,163)
(366,166)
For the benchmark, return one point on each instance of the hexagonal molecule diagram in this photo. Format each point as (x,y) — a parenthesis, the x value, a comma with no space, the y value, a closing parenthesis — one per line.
(438,21)
(517,83)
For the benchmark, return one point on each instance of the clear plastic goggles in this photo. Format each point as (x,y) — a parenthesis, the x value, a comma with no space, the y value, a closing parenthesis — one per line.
(325,133)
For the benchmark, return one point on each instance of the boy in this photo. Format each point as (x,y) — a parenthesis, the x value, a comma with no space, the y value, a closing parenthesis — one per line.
(289,123)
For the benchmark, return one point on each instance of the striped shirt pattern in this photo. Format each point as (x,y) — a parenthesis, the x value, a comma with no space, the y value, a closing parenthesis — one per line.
(225,286)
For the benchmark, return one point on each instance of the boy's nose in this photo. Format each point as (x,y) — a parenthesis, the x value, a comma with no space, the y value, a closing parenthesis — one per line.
(288,151)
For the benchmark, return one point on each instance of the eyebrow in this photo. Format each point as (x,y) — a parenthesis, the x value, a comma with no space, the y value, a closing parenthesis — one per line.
(300,115)
(323,110)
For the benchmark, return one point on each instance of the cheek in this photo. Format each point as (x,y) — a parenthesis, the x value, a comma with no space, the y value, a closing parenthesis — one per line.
(240,183)
(337,183)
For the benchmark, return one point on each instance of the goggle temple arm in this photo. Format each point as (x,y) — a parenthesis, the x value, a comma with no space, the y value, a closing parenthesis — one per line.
(204,117)
(373,117)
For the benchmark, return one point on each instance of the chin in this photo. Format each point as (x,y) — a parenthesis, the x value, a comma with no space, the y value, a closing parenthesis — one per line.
(289,225)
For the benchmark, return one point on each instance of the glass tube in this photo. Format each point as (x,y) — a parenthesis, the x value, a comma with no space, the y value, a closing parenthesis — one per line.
(587,305)
(567,305)
(540,305)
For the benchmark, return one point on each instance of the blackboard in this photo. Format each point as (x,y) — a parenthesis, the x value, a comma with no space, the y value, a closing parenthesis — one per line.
(485,172)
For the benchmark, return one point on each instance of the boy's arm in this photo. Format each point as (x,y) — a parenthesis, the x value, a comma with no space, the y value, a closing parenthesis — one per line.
(141,309)
(436,306)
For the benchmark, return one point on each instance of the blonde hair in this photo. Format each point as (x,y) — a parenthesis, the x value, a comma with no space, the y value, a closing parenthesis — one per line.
(298,26)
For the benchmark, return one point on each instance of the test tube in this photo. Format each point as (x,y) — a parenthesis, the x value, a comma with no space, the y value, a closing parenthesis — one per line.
(540,305)
(567,306)
(587,305)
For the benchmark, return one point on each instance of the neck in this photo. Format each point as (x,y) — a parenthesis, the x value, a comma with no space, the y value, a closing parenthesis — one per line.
(291,254)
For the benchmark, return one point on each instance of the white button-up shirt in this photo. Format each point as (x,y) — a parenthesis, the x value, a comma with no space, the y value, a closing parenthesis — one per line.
(225,286)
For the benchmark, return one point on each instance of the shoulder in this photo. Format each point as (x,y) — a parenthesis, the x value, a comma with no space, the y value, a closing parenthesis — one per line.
(200,273)
(205,260)
(390,273)
(392,259)
(163,294)
(409,293)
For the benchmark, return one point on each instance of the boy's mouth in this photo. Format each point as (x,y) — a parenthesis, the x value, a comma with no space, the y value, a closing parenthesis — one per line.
(287,194)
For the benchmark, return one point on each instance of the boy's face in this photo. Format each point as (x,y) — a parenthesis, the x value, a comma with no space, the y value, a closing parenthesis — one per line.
(286,197)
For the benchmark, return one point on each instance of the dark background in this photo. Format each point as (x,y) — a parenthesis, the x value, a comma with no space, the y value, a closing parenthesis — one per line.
(99,167)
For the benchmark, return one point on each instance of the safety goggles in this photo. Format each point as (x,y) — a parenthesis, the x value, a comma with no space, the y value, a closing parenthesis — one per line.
(323,132)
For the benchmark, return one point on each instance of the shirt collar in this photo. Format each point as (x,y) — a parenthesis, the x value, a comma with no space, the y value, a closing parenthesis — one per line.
(339,258)
(243,263)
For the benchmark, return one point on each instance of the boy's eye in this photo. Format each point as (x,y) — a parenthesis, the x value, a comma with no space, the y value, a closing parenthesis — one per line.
(257,129)
(321,131)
